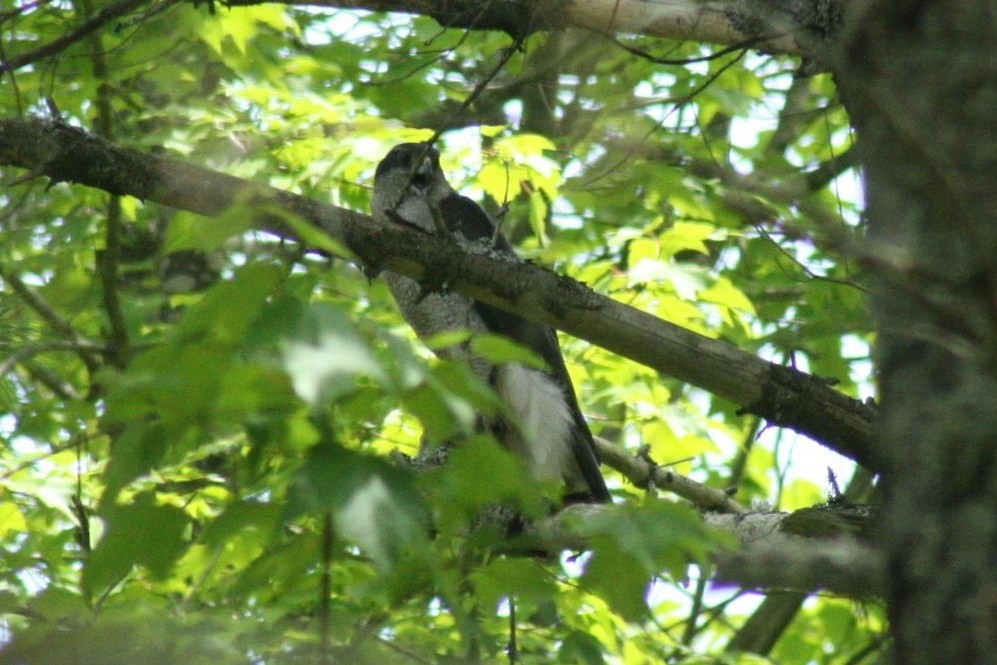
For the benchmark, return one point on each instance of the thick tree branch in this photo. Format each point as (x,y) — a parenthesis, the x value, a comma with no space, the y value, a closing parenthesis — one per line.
(767,556)
(781,395)
(780,26)
(766,624)
(773,556)
(845,567)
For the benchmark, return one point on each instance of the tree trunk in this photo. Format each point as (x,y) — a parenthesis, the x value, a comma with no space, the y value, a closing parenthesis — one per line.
(919,78)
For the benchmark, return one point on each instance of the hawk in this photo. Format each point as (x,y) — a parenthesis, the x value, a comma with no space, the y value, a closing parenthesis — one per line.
(549,432)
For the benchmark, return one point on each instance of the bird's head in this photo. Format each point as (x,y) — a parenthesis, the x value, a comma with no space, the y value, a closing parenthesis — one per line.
(417,165)
(409,184)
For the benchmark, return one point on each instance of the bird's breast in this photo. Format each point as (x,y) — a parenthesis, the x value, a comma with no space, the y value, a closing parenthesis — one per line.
(434,313)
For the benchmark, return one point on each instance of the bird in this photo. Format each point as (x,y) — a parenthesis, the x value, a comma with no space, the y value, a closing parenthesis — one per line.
(549,431)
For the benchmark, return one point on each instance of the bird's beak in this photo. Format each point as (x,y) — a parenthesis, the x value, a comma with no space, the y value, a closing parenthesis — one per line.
(426,168)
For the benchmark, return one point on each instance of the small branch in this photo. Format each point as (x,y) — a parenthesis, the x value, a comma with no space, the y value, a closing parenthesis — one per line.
(54,382)
(325,591)
(678,62)
(95,22)
(793,117)
(694,612)
(481,85)
(821,176)
(767,623)
(79,343)
(25,352)
(678,104)
(644,473)
(15,89)
(107,264)
(803,267)
(117,343)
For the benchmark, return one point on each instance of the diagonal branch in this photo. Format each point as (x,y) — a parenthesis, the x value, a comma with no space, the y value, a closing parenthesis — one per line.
(95,22)
(86,349)
(782,395)
(645,473)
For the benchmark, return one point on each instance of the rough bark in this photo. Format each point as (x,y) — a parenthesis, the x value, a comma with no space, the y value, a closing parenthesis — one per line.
(767,555)
(919,79)
(796,27)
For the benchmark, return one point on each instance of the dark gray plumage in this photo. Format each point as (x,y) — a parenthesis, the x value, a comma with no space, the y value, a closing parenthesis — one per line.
(551,433)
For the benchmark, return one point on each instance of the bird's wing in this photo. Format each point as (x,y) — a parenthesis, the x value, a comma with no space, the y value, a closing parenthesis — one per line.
(464,216)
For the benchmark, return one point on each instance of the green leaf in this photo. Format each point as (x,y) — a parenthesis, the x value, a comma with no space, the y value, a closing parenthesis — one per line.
(491,131)
(138,450)
(140,533)
(374,503)
(500,350)
(634,544)
(519,578)
(11,518)
(58,605)
(480,473)
(689,236)
(240,517)
(316,238)
(229,309)
(328,355)
(723,292)
(190,231)
(581,647)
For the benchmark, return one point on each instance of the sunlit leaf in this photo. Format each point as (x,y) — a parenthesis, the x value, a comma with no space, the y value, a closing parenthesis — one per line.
(11,518)
(328,356)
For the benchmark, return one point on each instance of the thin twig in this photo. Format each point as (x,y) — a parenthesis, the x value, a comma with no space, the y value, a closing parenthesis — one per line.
(807,271)
(475,93)
(95,22)
(48,314)
(25,352)
(325,589)
(480,87)
(680,62)
(13,81)
(513,646)
(678,105)
(117,346)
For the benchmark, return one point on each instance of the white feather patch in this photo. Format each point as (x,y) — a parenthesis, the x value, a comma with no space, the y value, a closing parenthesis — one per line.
(544,417)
